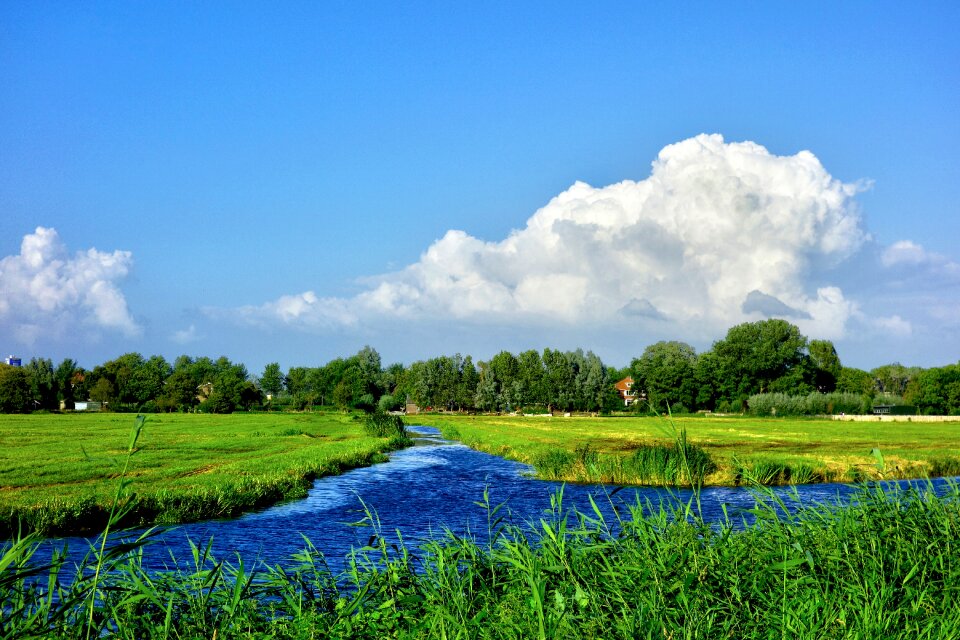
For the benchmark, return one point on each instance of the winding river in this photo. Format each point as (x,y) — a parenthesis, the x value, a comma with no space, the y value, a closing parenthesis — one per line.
(420,492)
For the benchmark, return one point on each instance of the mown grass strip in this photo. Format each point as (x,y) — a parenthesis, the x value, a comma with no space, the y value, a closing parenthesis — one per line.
(733,450)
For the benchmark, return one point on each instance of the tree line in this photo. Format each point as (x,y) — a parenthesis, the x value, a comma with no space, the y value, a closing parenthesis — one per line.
(753,361)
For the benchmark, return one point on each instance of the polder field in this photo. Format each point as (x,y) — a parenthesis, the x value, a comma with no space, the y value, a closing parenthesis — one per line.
(719,450)
(884,565)
(58,473)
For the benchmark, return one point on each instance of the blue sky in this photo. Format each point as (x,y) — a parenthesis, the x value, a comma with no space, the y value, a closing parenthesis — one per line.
(280,182)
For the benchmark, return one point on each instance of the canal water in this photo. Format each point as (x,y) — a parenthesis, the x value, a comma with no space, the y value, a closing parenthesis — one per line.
(421,492)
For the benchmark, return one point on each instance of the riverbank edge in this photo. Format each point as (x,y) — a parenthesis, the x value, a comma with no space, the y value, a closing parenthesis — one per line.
(751,473)
(882,565)
(87,516)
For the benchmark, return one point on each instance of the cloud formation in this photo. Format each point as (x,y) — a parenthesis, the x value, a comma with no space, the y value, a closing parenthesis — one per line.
(48,292)
(719,233)
(770,307)
(910,258)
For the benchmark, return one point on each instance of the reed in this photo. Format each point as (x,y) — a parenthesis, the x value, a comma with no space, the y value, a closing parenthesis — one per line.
(380,424)
(677,464)
(887,565)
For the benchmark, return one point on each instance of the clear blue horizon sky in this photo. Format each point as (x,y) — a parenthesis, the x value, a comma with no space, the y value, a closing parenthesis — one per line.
(279,183)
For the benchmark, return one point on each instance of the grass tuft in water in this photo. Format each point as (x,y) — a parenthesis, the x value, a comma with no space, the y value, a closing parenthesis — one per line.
(381,424)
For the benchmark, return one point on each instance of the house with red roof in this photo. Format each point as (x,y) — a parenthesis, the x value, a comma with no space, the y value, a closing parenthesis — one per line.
(625,390)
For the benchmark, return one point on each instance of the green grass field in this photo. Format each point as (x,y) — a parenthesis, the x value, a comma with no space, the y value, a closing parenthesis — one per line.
(885,566)
(57,472)
(771,450)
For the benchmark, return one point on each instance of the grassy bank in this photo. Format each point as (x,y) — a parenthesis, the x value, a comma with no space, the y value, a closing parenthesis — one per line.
(886,567)
(739,449)
(56,471)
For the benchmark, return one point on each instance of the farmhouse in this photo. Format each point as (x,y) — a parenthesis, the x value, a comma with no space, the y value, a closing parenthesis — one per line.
(625,391)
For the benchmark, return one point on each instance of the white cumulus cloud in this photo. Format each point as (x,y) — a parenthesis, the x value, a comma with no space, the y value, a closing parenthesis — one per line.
(48,292)
(719,233)
(906,255)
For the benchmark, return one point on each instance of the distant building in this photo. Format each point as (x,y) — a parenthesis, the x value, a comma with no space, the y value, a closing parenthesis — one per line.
(13,361)
(625,390)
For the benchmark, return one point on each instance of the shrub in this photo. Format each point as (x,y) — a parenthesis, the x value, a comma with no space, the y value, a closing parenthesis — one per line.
(380,424)
(813,404)
(944,466)
(150,406)
(553,463)
(388,403)
(670,464)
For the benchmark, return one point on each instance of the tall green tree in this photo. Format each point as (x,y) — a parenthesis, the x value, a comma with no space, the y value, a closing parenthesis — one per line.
(103,391)
(755,355)
(120,371)
(15,394)
(707,376)
(592,383)
(272,379)
(893,378)
(146,382)
(179,391)
(486,397)
(935,391)
(853,380)
(43,383)
(467,385)
(530,379)
(327,378)
(667,373)
(826,364)
(64,375)
(502,373)
(559,380)
(232,389)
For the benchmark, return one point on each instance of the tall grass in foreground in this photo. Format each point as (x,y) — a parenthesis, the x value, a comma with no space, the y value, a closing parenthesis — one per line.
(886,566)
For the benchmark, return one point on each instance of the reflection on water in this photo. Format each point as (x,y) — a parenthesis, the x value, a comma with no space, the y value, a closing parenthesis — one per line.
(420,492)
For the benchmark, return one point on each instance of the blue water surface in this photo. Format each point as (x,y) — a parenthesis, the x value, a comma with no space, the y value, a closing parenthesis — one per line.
(419,494)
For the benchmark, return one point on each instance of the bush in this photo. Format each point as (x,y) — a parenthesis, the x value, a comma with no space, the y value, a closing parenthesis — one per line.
(814,404)
(388,403)
(380,424)
(552,464)
(678,463)
(150,406)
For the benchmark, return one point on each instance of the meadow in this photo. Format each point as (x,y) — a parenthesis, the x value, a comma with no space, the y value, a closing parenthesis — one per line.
(885,565)
(721,450)
(57,472)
